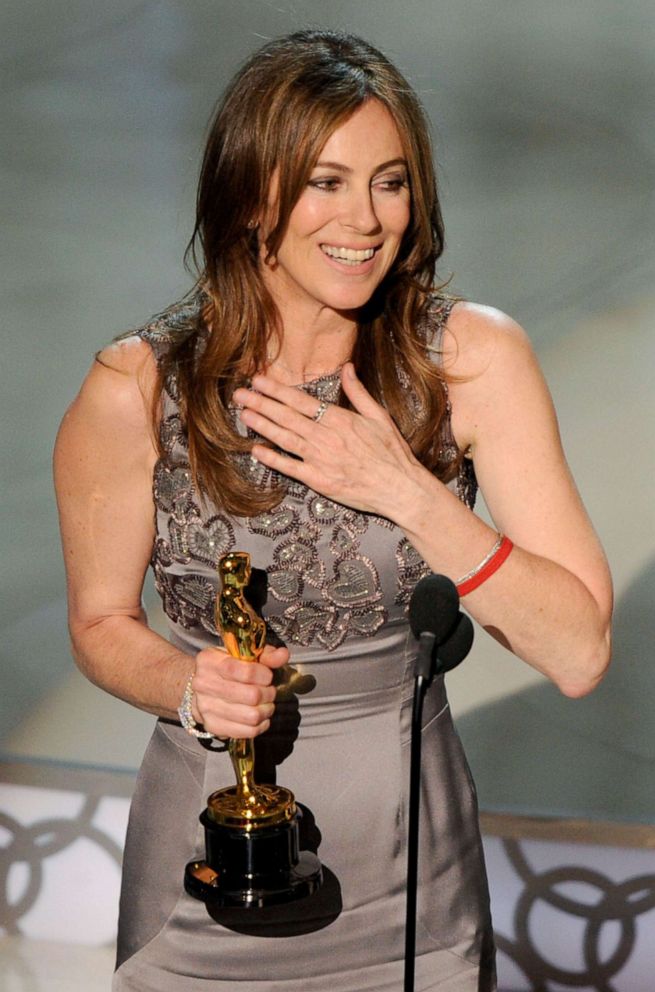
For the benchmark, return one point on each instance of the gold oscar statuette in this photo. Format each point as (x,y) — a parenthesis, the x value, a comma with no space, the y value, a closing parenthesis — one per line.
(245,805)
(251,831)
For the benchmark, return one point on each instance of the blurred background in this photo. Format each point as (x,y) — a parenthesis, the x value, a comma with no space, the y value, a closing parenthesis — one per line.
(542,124)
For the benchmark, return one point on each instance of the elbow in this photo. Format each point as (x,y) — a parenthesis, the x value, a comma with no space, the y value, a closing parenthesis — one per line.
(80,651)
(91,640)
(94,639)
(591,670)
(578,689)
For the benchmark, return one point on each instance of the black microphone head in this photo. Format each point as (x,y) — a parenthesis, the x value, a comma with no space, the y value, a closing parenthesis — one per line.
(434,607)
(456,646)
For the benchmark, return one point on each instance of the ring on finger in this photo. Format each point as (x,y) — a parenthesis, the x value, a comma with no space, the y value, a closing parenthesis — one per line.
(322,407)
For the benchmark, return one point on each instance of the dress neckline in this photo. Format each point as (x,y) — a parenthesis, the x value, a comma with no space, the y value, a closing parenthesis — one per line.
(322,385)
(324,377)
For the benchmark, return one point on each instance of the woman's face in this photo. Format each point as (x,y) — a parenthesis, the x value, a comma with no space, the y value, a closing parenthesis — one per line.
(345,230)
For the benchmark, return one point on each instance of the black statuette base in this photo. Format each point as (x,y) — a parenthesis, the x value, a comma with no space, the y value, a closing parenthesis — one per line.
(252,869)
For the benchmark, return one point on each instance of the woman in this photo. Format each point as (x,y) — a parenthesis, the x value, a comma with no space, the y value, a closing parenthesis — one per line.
(317,404)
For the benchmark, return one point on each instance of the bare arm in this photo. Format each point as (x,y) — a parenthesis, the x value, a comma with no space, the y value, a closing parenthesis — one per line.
(551,601)
(104,459)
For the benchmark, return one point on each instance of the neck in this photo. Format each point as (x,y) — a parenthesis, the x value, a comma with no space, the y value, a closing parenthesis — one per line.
(313,343)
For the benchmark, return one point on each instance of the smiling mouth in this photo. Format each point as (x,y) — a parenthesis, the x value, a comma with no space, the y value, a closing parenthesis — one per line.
(349,256)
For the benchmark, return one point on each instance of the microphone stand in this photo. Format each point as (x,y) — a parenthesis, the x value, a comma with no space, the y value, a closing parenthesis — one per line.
(454,647)
(423,677)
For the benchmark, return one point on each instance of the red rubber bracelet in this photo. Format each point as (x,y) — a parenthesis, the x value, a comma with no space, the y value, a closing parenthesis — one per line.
(464,588)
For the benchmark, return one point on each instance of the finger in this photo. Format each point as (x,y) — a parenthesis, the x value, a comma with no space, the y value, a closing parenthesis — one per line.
(359,396)
(231,692)
(229,728)
(213,710)
(289,396)
(213,662)
(291,467)
(289,440)
(293,413)
(274,657)
(246,672)
(271,656)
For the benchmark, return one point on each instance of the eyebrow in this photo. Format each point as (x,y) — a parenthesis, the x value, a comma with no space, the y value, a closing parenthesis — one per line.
(339,167)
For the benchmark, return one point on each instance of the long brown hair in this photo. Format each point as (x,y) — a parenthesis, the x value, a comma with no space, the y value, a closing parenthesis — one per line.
(275,118)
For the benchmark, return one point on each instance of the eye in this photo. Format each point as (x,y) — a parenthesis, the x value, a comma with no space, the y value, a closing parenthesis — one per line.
(391,184)
(326,183)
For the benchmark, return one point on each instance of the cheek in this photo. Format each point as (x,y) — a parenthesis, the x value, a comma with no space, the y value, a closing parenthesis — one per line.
(308,216)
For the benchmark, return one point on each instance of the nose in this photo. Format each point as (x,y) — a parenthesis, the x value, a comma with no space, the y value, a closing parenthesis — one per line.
(358,212)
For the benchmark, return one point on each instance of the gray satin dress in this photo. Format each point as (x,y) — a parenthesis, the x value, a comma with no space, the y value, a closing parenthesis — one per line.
(338,585)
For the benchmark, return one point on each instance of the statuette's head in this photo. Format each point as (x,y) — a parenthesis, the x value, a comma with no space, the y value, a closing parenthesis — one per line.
(234,569)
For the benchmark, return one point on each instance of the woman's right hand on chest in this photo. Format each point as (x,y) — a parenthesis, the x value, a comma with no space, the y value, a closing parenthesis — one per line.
(234,698)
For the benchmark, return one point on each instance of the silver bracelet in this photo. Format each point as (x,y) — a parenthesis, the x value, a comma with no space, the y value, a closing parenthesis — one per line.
(485,561)
(186,714)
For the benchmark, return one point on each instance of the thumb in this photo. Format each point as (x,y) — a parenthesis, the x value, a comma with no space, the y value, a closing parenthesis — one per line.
(359,396)
(274,657)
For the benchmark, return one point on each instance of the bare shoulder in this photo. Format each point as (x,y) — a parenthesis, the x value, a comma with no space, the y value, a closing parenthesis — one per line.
(479,339)
(127,366)
(115,401)
(495,377)
(122,379)
(128,354)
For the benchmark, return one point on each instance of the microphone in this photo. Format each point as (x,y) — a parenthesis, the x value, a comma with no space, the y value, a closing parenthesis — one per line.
(456,647)
(434,607)
(435,621)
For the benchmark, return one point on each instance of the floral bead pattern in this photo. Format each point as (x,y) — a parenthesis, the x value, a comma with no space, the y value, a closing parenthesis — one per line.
(321,599)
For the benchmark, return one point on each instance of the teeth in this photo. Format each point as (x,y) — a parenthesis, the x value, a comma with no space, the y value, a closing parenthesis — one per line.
(349,255)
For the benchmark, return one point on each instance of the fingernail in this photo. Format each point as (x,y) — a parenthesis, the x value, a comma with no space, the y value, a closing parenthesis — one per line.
(349,370)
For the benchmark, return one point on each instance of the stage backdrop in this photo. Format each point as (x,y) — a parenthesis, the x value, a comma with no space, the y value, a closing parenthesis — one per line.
(542,136)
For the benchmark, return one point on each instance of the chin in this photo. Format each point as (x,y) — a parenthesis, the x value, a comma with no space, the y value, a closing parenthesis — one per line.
(353,299)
